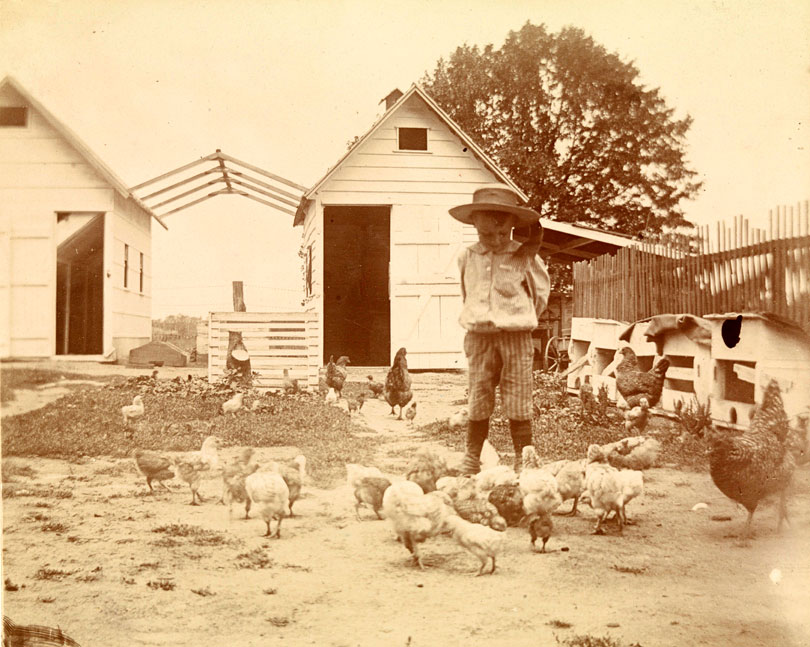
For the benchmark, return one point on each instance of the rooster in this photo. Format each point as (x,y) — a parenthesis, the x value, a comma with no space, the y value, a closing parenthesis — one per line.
(397,390)
(336,373)
(634,384)
(749,467)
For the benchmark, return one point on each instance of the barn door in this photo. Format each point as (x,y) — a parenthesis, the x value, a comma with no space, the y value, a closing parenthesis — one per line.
(425,294)
(356,320)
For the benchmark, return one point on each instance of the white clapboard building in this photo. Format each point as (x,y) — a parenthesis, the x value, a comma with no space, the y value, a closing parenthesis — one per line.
(75,244)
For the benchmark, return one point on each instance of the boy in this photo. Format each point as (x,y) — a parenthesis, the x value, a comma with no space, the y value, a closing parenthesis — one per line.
(505,288)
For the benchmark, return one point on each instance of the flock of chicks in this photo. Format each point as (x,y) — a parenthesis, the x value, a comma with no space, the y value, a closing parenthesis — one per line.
(272,492)
(476,510)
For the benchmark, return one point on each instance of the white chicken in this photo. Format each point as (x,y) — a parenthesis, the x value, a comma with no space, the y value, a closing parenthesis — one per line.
(488,479)
(426,467)
(331,396)
(458,419)
(234,404)
(233,479)
(485,543)
(269,495)
(539,487)
(233,469)
(570,476)
(632,487)
(414,515)
(294,474)
(604,488)
(637,417)
(355,473)
(134,410)
(208,452)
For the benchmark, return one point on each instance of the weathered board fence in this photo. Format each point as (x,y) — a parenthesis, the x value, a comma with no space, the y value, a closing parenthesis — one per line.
(275,341)
(743,270)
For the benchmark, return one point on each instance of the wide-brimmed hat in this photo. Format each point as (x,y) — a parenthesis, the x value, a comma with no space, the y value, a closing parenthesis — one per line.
(495,197)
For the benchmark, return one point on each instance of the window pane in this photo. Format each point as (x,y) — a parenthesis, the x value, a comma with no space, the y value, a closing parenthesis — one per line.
(13,116)
(413,139)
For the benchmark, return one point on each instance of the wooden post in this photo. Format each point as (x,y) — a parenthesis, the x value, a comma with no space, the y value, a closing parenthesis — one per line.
(238,357)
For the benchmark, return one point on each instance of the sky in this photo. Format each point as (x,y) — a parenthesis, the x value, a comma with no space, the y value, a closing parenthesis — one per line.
(151,85)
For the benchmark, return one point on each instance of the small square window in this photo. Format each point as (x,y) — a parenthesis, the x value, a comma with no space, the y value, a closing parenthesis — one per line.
(12,116)
(412,139)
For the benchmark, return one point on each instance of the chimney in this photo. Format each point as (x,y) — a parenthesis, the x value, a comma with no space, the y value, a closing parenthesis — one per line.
(391,98)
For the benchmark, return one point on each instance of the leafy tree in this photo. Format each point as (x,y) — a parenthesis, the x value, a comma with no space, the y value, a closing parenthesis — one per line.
(573,126)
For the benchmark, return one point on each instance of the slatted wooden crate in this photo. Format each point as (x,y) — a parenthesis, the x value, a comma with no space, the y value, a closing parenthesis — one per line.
(275,341)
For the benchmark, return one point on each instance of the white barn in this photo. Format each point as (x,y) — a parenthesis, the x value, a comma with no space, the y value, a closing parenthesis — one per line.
(75,243)
(379,246)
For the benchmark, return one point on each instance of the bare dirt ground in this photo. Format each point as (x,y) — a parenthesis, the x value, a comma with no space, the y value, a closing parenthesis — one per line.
(82,541)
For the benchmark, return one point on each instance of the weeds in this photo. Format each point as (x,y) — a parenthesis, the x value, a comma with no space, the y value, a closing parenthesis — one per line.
(255,559)
(54,526)
(693,416)
(163,583)
(197,535)
(559,624)
(51,574)
(203,592)
(634,570)
(13,469)
(279,621)
(591,641)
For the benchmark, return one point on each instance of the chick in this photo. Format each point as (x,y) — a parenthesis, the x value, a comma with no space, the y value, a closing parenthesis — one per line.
(541,526)
(370,491)
(410,413)
(293,474)
(331,396)
(508,499)
(190,470)
(290,385)
(232,470)
(233,478)
(153,466)
(233,405)
(485,543)
(356,472)
(269,494)
(208,453)
(355,404)
(637,417)
(376,388)
(134,410)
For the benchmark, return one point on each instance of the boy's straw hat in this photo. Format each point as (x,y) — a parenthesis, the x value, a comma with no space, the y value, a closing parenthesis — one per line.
(495,197)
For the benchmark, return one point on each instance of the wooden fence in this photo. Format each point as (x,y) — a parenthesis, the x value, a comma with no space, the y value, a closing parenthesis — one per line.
(275,341)
(743,269)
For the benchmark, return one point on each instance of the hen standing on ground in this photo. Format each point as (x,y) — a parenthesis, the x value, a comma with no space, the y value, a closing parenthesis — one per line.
(397,389)
(748,467)
(634,384)
(336,374)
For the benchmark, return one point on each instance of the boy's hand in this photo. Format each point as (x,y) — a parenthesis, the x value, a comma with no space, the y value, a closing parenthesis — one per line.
(533,239)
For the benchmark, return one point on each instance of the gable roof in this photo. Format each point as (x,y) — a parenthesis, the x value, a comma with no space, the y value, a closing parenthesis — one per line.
(83,149)
(443,116)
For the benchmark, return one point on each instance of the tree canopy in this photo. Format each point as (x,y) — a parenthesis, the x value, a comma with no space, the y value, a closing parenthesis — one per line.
(573,126)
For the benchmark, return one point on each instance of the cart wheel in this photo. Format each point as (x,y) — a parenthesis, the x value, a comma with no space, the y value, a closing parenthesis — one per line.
(551,358)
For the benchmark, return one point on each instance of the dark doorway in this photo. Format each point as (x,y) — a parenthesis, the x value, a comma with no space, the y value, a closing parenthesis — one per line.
(357,312)
(80,285)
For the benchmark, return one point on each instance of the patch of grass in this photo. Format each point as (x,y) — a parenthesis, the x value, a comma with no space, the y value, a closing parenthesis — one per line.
(88,422)
(51,574)
(635,570)
(16,490)
(147,565)
(203,592)
(54,526)
(297,567)
(197,535)
(37,516)
(279,621)
(255,559)
(162,583)
(591,641)
(559,624)
(13,469)
(43,504)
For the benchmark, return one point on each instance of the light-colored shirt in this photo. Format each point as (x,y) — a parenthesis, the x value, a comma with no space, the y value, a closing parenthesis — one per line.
(504,291)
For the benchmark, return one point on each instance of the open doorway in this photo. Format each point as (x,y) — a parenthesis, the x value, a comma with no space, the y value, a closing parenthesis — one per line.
(80,284)
(357,312)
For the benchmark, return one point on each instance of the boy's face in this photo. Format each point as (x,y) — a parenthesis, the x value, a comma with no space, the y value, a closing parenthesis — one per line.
(494,229)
